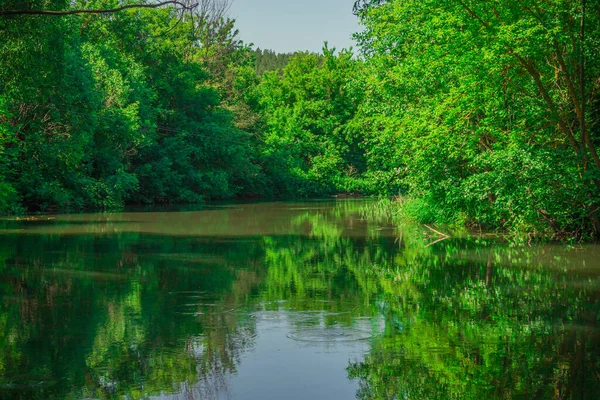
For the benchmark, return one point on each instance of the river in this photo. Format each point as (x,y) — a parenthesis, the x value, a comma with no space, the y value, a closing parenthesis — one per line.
(290,300)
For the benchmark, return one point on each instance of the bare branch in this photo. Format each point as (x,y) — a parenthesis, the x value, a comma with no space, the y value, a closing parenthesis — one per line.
(179,4)
(438,232)
(215,9)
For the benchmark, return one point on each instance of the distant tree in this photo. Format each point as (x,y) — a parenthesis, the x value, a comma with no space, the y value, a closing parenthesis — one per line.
(268,60)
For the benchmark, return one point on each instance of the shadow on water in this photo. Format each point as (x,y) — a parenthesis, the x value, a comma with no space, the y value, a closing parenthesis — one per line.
(290,299)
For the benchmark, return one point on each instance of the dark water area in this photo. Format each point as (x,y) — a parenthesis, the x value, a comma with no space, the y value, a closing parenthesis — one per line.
(312,300)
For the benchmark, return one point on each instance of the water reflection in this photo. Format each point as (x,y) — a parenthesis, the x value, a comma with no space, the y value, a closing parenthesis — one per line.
(289,300)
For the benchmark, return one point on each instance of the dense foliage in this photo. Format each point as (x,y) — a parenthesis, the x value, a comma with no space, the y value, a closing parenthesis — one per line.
(98,111)
(491,108)
(309,140)
(479,113)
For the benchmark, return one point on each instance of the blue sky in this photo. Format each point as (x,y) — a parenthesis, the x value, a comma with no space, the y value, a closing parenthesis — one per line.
(290,25)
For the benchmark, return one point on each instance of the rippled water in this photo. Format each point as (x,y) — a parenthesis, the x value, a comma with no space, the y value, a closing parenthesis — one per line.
(312,300)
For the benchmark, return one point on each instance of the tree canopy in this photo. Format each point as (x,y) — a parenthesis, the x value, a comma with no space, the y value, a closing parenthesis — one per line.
(477,114)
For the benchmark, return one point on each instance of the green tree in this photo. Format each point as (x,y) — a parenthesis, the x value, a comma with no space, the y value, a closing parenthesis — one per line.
(483,103)
(91,119)
(309,146)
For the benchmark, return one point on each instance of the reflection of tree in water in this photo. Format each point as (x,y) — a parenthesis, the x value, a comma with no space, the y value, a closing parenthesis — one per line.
(134,316)
(464,318)
(116,316)
(467,329)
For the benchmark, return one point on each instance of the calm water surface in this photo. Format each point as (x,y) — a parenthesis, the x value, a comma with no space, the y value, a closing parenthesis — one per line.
(313,300)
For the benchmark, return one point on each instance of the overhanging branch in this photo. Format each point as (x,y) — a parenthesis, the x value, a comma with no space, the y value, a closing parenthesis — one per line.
(179,4)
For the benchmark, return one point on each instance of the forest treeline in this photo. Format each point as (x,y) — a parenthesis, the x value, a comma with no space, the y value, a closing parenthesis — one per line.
(268,60)
(478,113)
